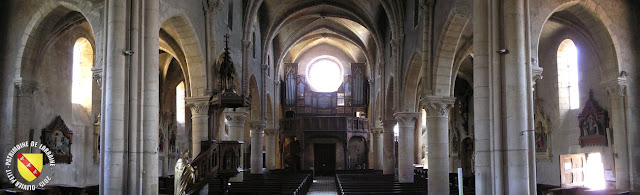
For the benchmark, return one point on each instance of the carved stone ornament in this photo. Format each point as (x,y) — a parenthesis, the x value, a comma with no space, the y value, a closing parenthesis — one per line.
(97,75)
(213,6)
(257,126)
(542,133)
(406,119)
(616,87)
(594,120)
(58,138)
(25,88)
(236,117)
(437,106)
(198,105)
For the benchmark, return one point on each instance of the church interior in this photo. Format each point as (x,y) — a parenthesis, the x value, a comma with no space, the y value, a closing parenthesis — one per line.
(320,96)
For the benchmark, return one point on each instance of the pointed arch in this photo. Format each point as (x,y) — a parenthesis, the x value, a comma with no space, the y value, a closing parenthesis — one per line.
(447,46)
(37,32)
(410,96)
(195,71)
(597,24)
(254,92)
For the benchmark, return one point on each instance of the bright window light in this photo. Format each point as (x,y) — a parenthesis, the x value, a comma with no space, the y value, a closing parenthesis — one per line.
(325,75)
(180,103)
(81,76)
(568,73)
(396,130)
(594,172)
(424,118)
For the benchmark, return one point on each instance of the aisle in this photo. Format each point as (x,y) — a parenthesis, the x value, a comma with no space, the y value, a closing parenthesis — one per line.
(323,185)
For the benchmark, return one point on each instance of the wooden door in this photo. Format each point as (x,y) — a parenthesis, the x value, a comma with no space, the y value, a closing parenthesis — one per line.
(572,169)
(324,156)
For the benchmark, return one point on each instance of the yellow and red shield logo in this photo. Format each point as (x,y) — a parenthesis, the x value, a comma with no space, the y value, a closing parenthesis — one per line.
(29,165)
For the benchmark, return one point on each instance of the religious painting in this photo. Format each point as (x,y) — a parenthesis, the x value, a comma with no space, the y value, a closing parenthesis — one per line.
(593,121)
(542,133)
(58,138)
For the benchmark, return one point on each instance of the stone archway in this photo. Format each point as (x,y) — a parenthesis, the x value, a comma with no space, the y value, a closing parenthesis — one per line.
(195,70)
(447,46)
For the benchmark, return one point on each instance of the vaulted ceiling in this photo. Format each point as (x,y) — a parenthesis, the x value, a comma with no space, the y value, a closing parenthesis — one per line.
(293,27)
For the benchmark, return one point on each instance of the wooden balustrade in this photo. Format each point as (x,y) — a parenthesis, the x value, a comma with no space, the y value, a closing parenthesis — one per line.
(330,123)
(220,159)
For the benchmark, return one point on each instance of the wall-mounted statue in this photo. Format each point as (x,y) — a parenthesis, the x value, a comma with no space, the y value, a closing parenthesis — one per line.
(58,138)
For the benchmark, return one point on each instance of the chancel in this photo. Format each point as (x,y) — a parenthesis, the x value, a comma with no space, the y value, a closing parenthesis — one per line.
(320,97)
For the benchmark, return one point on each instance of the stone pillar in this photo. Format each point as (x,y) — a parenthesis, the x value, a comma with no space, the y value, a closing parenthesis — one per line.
(271,148)
(406,145)
(151,99)
(514,105)
(236,118)
(257,134)
(389,147)
(378,162)
(616,89)
(485,116)
(199,122)
(114,147)
(437,108)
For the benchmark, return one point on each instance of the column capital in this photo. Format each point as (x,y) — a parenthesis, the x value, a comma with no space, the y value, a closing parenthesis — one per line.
(425,3)
(96,74)
(270,131)
(246,43)
(257,126)
(388,123)
(236,116)
(615,87)
(25,87)
(199,105)
(536,71)
(377,131)
(406,119)
(213,6)
(437,106)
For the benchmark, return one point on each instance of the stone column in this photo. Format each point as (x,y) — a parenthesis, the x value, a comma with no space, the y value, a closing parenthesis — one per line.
(514,105)
(271,148)
(114,147)
(236,118)
(151,99)
(437,108)
(389,147)
(378,162)
(24,108)
(257,134)
(199,122)
(617,91)
(406,146)
(485,115)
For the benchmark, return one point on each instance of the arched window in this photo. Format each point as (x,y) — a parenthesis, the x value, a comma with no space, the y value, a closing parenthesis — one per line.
(81,75)
(180,103)
(324,75)
(569,91)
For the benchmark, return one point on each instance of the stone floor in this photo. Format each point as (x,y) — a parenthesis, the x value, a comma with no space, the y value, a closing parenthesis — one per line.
(323,185)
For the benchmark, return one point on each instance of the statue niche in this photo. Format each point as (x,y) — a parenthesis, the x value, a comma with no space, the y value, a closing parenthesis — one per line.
(593,123)
(58,138)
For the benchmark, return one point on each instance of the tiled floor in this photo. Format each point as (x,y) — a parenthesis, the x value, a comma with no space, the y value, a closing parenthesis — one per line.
(323,185)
